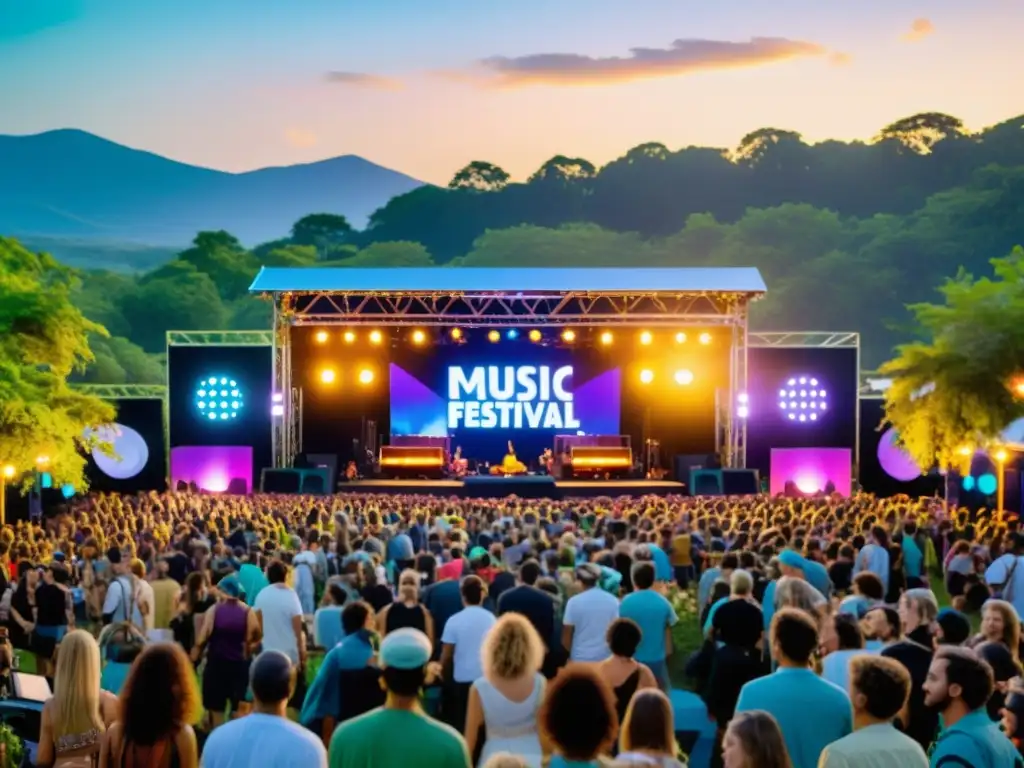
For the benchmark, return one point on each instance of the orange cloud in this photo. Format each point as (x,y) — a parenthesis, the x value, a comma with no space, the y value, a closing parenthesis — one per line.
(365,80)
(683,57)
(300,138)
(839,59)
(919,30)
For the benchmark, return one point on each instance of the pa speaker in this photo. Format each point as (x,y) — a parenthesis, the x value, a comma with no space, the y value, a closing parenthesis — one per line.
(740,482)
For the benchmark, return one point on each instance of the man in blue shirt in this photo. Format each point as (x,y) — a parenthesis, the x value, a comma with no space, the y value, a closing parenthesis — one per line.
(655,616)
(959,685)
(811,712)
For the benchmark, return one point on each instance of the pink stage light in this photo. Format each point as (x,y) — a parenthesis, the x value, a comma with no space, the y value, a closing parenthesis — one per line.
(811,469)
(212,468)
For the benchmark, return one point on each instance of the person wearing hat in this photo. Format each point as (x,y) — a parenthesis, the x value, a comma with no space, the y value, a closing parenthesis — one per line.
(266,736)
(230,630)
(588,615)
(400,733)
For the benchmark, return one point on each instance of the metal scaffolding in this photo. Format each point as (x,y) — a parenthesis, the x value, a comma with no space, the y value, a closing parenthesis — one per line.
(124,391)
(533,309)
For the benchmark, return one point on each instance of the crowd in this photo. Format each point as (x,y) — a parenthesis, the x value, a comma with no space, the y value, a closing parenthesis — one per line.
(357,631)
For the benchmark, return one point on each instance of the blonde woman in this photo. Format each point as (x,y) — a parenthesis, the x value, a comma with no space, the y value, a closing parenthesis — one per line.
(407,610)
(507,698)
(79,713)
(1000,624)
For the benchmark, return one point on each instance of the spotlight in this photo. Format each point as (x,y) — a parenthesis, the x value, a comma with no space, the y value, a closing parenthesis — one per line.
(1000,455)
(606,338)
(9,471)
(742,412)
(680,338)
(512,334)
(418,336)
(321,337)
(349,337)
(376,337)
(803,399)
(327,376)
(277,397)
(218,397)
(704,338)
(742,398)
(535,335)
(684,377)
(646,376)
(646,338)
(277,410)
(569,336)
(365,376)
(456,333)
(493,336)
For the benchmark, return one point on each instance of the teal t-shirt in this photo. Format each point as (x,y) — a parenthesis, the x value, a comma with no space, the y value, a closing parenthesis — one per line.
(253,580)
(396,738)
(976,740)
(653,613)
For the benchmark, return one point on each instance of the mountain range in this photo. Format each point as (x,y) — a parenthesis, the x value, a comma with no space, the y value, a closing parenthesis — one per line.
(70,185)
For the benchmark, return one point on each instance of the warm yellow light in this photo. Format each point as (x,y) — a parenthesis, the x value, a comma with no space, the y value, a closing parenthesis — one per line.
(418,337)
(704,338)
(684,377)
(1001,456)
(494,337)
(646,338)
(9,471)
(964,450)
(1018,386)
(569,336)
(680,338)
(321,337)
(535,335)
(349,337)
(327,376)
(607,338)
(646,376)
(456,333)
(42,460)
(376,337)
(365,376)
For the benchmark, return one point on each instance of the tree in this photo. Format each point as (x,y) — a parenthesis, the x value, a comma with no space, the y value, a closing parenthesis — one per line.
(398,254)
(956,390)
(564,170)
(181,298)
(480,176)
(321,230)
(221,256)
(43,340)
(118,361)
(290,256)
(920,133)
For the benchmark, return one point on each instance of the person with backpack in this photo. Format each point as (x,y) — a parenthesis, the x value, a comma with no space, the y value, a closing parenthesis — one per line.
(1005,577)
(121,602)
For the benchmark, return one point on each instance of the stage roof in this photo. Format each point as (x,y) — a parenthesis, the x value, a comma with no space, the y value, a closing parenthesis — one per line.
(509,280)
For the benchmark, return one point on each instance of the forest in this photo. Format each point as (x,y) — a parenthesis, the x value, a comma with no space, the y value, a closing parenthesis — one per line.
(847,235)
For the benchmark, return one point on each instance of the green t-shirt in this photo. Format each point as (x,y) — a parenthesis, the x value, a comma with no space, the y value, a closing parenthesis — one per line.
(395,738)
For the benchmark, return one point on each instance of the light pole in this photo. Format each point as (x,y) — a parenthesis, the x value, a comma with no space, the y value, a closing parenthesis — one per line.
(1000,457)
(6,475)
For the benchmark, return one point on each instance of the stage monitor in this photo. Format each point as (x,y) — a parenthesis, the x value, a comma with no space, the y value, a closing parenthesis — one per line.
(485,395)
(811,471)
(139,460)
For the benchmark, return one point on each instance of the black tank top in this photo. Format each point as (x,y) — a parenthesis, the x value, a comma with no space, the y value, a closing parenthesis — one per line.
(624,692)
(401,616)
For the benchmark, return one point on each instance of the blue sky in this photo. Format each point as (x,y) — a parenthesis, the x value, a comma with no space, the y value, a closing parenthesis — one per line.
(425,86)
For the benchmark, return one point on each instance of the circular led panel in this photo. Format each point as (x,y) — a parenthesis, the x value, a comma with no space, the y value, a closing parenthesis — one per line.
(219,398)
(130,451)
(896,462)
(803,399)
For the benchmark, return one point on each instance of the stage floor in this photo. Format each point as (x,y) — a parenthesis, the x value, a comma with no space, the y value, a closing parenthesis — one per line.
(529,487)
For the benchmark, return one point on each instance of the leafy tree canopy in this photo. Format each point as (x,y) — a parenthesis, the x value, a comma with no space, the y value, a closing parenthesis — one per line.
(43,339)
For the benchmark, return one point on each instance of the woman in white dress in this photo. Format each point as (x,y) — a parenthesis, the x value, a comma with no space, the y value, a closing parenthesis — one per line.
(507,698)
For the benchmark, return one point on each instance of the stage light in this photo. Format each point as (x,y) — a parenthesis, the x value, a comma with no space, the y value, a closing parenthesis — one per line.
(321,337)
(349,337)
(569,336)
(968,483)
(327,376)
(680,338)
(365,376)
(418,337)
(277,410)
(1000,455)
(607,338)
(535,335)
(376,337)
(803,399)
(646,376)
(964,450)
(456,333)
(493,336)
(742,411)
(9,471)
(987,484)
(646,338)
(277,397)
(743,398)
(219,398)
(684,377)
(512,334)
(704,338)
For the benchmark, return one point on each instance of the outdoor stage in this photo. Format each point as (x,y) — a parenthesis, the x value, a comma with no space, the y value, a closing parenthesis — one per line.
(529,487)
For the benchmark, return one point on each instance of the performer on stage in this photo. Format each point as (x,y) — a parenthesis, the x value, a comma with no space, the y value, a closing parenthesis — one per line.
(459,465)
(510,465)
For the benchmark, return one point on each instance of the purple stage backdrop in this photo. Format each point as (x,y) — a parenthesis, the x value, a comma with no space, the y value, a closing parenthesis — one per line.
(811,469)
(212,468)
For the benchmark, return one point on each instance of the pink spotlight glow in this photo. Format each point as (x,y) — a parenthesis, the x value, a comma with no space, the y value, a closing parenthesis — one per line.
(212,468)
(811,469)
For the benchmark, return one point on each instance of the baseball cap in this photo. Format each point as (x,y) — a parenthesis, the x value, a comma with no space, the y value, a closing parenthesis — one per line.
(405,648)
(231,586)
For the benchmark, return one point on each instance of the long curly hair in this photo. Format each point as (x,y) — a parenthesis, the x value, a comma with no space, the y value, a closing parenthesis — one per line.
(160,695)
(512,648)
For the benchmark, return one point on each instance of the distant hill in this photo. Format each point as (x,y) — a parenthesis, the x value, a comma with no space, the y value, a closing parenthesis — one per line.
(72,184)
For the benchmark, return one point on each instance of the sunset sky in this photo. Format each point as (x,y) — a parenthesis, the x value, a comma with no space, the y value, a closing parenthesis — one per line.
(424,86)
